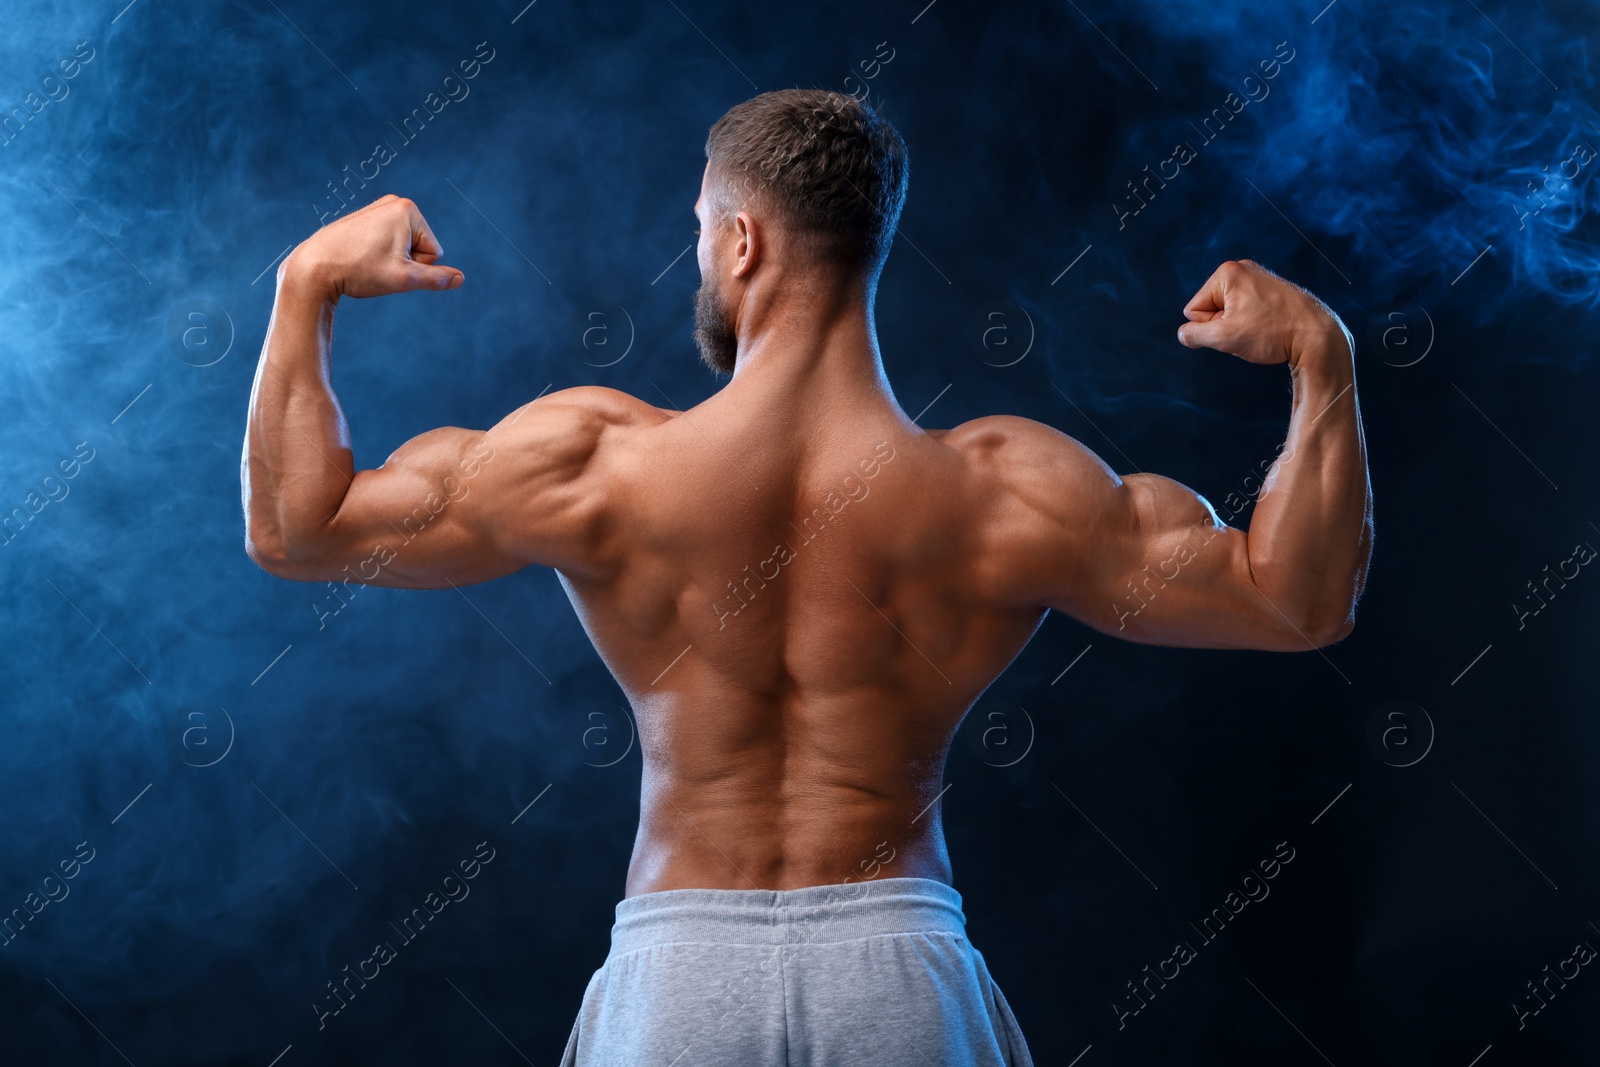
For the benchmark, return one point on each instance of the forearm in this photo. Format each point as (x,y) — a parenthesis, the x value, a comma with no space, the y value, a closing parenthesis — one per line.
(1311,535)
(297,462)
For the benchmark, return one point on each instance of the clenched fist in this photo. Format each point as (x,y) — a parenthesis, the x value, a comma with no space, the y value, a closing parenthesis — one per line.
(1246,310)
(385,247)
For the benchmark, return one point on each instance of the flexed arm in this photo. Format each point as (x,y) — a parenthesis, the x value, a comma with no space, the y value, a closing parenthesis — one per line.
(450,506)
(1310,537)
(1145,558)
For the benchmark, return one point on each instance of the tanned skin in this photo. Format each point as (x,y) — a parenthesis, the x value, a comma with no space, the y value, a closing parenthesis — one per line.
(794,724)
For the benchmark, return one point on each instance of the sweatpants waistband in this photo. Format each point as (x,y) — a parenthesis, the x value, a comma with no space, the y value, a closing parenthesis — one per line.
(810,915)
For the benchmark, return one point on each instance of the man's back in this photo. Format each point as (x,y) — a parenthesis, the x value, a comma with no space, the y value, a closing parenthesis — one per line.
(801,591)
(801,605)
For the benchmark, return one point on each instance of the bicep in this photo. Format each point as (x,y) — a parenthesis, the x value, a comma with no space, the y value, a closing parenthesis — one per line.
(422,520)
(1143,558)
(455,506)
(1160,568)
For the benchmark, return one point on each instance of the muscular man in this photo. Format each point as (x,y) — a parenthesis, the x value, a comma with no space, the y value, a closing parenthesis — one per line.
(801,591)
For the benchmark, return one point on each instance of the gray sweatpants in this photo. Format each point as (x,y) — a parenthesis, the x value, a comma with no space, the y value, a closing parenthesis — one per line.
(873,972)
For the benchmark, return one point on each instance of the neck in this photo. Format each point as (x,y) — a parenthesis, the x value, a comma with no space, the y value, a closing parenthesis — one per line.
(809,338)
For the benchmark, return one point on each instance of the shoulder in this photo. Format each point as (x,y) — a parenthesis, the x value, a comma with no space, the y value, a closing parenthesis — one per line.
(588,404)
(551,472)
(1042,502)
(572,425)
(1025,456)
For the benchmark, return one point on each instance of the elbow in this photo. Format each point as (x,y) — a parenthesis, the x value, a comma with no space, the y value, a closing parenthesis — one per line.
(1316,618)
(263,537)
(278,556)
(1328,629)
(268,553)
(281,545)
(1331,635)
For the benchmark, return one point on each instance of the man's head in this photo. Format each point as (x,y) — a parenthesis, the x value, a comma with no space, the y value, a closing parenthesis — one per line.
(809,180)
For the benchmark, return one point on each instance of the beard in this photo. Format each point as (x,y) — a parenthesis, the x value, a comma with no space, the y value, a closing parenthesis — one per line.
(713,329)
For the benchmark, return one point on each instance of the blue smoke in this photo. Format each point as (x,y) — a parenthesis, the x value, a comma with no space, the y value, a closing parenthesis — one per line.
(268,775)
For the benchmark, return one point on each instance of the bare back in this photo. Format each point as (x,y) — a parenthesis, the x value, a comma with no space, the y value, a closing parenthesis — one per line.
(801,591)
(799,617)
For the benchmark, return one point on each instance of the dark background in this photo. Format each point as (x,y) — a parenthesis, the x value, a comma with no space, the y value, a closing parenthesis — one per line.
(1388,170)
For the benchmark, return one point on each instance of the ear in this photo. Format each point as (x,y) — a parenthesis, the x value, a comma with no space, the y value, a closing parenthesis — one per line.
(748,244)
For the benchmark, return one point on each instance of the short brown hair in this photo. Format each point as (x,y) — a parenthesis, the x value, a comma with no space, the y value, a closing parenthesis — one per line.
(826,164)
